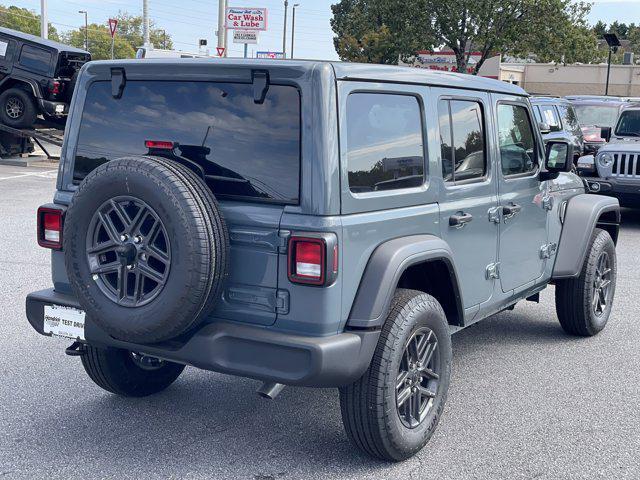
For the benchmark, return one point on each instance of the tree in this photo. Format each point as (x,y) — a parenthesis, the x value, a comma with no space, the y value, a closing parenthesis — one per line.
(130,27)
(24,20)
(553,29)
(100,42)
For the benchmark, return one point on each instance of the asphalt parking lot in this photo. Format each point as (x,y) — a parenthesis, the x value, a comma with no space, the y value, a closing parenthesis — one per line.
(526,401)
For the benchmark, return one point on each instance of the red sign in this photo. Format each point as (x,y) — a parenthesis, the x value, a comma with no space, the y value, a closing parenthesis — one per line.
(220,51)
(113,24)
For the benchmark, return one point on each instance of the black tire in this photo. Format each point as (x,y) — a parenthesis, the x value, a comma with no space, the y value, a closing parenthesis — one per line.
(196,234)
(18,108)
(117,371)
(576,301)
(370,414)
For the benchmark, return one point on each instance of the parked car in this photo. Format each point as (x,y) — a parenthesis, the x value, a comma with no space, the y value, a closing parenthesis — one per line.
(615,170)
(37,76)
(558,121)
(310,223)
(595,112)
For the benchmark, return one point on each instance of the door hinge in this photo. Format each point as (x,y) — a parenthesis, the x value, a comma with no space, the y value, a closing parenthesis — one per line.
(282,302)
(547,202)
(548,250)
(493,270)
(494,214)
(283,240)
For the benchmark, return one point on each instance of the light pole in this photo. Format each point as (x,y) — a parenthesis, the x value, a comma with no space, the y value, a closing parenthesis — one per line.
(284,30)
(293,25)
(44,23)
(222,32)
(613,43)
(86,30)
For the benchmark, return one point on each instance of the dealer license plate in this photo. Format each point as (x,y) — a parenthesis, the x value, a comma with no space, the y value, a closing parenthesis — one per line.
(65,322)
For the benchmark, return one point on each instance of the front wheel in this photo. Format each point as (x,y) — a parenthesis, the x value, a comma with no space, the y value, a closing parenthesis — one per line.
(583,304)
(128,374)
(393,409)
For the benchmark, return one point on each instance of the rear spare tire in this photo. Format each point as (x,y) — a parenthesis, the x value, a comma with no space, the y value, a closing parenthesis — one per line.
(146,248)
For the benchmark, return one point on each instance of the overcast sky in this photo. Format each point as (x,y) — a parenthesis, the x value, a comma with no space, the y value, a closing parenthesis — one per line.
(189,20)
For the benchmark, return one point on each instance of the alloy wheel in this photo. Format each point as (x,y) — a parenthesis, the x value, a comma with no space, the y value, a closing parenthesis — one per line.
(601,284)
(14,107)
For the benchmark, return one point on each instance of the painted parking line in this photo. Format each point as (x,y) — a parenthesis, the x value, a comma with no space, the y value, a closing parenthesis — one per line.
(45,174)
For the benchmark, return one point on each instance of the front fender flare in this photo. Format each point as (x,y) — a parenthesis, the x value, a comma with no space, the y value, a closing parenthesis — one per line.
(386,265)
(580,219)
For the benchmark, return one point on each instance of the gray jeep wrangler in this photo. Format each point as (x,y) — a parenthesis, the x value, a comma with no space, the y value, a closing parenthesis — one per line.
(310,223)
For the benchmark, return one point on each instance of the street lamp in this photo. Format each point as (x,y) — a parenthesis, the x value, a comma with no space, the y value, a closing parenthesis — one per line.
(614,43)
(293,26)
(86,30)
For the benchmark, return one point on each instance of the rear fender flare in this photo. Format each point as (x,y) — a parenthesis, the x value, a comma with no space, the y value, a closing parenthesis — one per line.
(27,84)
(384,269)
(580,219)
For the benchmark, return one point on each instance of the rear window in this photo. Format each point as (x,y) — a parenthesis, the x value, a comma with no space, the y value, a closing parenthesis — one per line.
(246,150)
(35,59)
(598,115)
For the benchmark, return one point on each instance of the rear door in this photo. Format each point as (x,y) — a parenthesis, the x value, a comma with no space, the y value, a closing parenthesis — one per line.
(249,153)
(469,200)
(523,198)
(7,52)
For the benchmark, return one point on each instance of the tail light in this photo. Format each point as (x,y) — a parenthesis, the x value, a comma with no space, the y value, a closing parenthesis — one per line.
(50,223)
(159,144)
(56,87)
(313,259)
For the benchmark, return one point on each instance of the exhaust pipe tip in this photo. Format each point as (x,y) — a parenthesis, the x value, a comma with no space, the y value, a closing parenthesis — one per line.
(270,390)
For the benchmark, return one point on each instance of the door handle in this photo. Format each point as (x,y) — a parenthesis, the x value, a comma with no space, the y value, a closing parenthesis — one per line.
(512,210)
(460,219)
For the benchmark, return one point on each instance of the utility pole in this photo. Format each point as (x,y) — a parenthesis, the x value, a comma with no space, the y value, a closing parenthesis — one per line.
(44,22)
(86,30)
(606,88)
(146,39)
(293,26)
(284,30)
(222,32)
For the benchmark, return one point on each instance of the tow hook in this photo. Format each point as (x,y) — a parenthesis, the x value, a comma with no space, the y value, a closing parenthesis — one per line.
(76,349)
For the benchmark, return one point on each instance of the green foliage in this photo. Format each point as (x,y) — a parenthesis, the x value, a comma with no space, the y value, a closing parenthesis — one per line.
(24,20)
(383,31)
(130,28)
(100,42)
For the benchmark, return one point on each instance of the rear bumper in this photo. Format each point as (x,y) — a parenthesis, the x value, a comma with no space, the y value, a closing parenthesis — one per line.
(54,109)
(244,350)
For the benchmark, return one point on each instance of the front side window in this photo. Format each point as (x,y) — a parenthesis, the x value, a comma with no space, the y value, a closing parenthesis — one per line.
(35,58)
(245,149)
(516,140)
(550,117)
(629,124)
(462,142)
(385,146)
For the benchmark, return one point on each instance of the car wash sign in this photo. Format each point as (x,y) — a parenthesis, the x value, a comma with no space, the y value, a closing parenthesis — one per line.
(246,18)
(445,61)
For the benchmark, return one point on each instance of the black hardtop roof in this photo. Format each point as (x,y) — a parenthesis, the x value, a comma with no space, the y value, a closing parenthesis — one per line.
(61,47)
(347,71)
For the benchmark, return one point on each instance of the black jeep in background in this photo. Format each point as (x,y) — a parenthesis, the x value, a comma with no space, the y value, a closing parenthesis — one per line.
(37,76)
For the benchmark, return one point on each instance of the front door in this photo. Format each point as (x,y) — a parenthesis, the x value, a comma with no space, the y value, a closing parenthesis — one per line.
(523,197)
(469,193)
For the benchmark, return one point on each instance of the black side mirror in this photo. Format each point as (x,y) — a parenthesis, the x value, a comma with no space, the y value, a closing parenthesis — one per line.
(558,158)
(605,133)
(544,127)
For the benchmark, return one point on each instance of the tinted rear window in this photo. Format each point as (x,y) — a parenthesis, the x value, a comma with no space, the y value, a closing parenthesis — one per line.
(35,59)
(246,149)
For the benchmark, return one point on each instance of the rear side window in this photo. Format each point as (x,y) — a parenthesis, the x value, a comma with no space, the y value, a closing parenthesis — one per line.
(35,59)
(385,147)
(570,119)
(462,140)
(516,140)
(246,150)
(550,117)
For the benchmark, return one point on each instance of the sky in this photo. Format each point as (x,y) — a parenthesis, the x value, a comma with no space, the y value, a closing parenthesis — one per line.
(189,20)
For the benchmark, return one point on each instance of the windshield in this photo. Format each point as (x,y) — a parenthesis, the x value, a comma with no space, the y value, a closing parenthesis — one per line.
(629,124)
(600,115)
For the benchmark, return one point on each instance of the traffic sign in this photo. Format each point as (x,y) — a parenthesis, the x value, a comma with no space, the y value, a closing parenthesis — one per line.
(273,55)
(245,36)
(113,24)
(220,51)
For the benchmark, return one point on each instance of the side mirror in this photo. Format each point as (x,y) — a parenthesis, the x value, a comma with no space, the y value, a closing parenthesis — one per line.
(558,158)
(605,133)
(544,127)
(586,164)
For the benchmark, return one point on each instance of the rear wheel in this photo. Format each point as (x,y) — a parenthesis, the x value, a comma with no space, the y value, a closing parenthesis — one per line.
(583,304)
(393,409)
(17,108)
(128,374)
